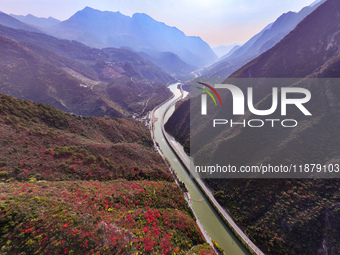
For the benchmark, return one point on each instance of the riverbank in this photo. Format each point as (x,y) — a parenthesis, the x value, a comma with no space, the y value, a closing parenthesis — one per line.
(208,216)
(252,248)
(152,119)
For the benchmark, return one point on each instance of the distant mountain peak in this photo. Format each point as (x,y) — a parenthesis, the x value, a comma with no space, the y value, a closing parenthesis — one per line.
(88,8)
(36,21)
(141,15)
(91,15)
(9,21)
(102,29)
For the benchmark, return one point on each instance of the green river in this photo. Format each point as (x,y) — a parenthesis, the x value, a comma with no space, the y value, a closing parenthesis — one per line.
(211,221)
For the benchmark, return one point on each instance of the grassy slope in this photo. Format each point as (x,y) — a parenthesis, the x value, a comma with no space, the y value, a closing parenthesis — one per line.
(85,185)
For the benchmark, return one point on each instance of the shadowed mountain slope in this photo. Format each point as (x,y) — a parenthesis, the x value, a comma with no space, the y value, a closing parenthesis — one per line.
(266,39)
(284,216)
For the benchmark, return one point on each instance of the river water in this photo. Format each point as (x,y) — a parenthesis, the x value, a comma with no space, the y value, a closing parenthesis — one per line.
(211,221)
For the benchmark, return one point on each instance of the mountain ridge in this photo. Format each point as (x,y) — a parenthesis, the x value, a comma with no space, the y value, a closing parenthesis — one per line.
(9,21)
(311,48)
(35,21)
(260,43)
(139,32)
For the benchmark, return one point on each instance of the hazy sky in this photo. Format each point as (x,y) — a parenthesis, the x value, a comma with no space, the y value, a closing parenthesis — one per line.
(218,22)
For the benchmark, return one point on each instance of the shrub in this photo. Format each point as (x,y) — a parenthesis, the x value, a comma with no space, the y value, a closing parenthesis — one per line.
(3,174)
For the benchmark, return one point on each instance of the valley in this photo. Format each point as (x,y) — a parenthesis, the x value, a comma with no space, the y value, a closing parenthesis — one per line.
(207,215)
(101,130)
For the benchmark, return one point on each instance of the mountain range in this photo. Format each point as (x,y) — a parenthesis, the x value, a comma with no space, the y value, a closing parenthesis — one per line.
(35,21)
(139,32)
(31,68)
(166,47)
(7,20)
